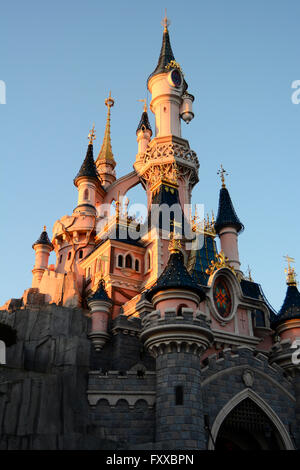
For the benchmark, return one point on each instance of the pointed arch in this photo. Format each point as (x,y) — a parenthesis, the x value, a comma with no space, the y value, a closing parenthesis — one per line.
(238,398)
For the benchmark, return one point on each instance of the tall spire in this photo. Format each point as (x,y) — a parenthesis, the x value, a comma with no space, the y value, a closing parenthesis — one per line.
(105,154)
(166,53)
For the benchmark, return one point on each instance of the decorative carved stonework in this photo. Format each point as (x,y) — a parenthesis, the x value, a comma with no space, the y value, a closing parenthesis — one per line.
(160,158)
(248,378)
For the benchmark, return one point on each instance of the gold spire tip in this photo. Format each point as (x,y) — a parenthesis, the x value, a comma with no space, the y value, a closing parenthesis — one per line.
(222,172)
(145,105)
(44,229)
(92,135)
(165,22)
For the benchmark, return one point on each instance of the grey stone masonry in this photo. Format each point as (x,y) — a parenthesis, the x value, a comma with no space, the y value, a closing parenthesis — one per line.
(179,426)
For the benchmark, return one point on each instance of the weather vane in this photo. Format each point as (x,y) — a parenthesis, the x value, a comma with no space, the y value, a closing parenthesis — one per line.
(165,22)
(222,172)
(291,275)
(145,104)
(92,135)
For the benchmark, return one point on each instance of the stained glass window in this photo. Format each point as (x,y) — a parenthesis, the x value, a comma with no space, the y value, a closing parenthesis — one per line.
(222,297)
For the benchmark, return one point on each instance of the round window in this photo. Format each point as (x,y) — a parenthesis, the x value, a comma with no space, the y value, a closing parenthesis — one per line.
(222,298)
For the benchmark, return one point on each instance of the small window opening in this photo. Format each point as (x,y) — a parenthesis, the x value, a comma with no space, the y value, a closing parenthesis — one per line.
(128,261)
(69,255)
(86,194)
(179,395)
(80,254)
(137,265)
(120,261)
(60,259)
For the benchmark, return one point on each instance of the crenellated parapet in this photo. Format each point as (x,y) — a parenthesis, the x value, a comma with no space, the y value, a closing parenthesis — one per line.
(169,332)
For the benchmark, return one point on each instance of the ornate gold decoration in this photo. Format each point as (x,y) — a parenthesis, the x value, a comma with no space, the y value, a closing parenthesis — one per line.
(145,105)
(206,226)
(222,262)
(92,135)
(174,244)
(290,272)
(44,229)
(222,172)
(173,65)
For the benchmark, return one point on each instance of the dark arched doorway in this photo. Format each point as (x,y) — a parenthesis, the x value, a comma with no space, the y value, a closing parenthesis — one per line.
(247,427)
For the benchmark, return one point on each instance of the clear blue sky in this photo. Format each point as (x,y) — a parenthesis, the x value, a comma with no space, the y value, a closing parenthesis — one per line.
(59,59)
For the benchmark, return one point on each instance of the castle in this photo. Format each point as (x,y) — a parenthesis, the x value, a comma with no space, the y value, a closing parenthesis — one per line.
(144,335)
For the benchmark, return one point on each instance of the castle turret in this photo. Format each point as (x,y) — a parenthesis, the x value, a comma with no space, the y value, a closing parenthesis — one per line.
(99,304)
(169,102)
(287,324)
(168,88)
(86,180)
(143,132)
(42,248)
(105,162)
(228,226)
(177,334)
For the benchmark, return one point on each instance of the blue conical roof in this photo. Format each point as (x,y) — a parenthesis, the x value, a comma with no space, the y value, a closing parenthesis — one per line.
(226,214)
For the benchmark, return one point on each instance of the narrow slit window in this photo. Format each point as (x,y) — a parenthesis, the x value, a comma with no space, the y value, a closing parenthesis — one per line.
(179,395)
(137,265)
(69,255)
(80,254)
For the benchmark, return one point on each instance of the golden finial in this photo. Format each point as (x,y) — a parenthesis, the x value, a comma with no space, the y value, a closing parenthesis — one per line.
(212,217)
(290,272)
(92,135)
(165,22)
(145,105)
(44,230)
(109,102)
(222,172)
(249,274)
(174,244)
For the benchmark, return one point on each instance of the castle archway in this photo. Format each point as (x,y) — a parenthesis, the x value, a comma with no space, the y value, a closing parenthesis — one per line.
(248,423)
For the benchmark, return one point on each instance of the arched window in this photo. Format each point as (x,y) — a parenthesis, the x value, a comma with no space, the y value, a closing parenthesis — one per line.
(2,352)
(80,254)
(137,265)
(128,261)
(179,395)
(120,261)
(86,194)
(69,255)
